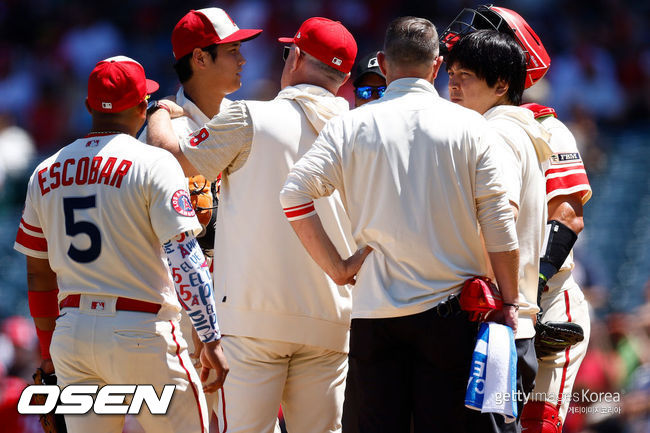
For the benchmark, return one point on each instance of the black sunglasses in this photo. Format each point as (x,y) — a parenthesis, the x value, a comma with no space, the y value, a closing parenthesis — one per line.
(366,92)
(285,53)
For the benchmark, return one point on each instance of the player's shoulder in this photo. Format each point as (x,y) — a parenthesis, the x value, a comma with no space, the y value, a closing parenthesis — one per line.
(562,139)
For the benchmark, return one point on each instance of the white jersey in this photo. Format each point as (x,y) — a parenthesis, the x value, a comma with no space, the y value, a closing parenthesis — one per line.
(565,175)
(416,191)
(193,120)
(99,210)
(525,184)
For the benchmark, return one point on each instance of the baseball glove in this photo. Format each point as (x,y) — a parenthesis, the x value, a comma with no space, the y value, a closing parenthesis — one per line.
(201,198)
(555,337)
(51,422)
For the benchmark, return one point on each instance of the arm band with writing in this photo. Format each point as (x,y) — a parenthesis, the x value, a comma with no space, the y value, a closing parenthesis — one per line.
(191,276)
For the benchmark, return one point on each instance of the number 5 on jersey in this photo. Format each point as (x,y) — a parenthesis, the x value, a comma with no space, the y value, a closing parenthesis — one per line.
(74,228)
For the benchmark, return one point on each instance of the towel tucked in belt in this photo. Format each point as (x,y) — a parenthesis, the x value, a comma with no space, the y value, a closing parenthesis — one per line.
(492,383)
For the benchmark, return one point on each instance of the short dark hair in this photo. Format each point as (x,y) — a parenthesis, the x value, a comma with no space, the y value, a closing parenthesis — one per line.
(492,56)
(411,41)
(183,68)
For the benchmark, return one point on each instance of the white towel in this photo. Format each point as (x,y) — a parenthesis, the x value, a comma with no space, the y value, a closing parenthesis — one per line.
(493,388)
(498,374)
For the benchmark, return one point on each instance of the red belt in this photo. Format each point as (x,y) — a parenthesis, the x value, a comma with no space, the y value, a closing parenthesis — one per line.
(123,304)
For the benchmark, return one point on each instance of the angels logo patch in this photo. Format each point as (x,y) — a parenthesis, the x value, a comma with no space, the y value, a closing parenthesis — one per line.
(182,204)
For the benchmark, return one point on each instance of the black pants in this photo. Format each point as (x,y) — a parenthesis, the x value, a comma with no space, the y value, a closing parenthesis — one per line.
(526,372)
(411,369)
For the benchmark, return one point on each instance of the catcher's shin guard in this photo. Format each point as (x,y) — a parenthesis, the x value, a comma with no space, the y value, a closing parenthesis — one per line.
(540,417)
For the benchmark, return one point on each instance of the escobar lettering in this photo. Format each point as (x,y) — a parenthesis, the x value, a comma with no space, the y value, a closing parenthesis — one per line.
(78,399)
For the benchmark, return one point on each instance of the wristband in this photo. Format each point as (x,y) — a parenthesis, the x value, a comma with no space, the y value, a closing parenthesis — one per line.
(44,340)
(508,304)
(43,304)
(155,106)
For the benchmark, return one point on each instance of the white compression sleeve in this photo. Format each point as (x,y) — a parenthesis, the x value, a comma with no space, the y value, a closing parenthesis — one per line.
(191,275)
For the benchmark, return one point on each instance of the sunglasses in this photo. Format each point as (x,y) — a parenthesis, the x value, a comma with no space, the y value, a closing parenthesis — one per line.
(285,53)
(366,92)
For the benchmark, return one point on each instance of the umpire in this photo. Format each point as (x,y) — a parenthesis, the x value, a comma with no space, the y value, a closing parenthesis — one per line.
(418,179)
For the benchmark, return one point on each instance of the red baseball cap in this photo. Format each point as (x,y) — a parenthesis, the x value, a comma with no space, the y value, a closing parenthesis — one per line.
(198,29)
(329,41)
(118,83)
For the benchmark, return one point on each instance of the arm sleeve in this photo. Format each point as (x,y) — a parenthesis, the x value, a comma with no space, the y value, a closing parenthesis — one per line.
(223,144)
(170,208)
(30,239)
(317,174)
(493,210)
(191,275)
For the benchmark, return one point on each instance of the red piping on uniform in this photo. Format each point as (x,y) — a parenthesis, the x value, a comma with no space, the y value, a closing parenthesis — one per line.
(564,182)
(300,205)
(299,212)
(223,410)
(31,242)
(566,351)
(196,394)
(554,170)
(31,227)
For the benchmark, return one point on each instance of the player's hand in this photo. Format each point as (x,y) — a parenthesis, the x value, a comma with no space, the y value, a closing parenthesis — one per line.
(212,357)
(507,316)
(351,266)
(175,110)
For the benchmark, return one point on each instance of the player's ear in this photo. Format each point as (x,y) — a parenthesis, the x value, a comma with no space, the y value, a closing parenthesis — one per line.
(381,61)
(436,65)
(347,77)
(296,59)
(198,57)
(501,87)
(141,109)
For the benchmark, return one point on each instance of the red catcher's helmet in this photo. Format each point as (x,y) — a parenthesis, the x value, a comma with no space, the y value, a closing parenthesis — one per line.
(503,20)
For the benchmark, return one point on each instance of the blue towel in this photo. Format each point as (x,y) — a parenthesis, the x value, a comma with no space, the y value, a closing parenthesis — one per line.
(494,391)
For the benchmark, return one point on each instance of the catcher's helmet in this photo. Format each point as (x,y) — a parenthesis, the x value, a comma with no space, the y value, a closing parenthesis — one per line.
(502,20)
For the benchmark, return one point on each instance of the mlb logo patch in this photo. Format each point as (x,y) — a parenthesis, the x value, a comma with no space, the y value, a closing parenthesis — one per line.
(182,204)
(96,305)
(92,143)
(373,62)
(107,105)
(337,61)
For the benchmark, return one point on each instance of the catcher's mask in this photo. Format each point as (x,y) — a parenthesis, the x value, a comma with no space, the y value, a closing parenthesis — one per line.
(502,20)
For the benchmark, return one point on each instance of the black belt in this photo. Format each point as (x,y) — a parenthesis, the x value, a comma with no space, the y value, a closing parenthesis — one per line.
(448,308)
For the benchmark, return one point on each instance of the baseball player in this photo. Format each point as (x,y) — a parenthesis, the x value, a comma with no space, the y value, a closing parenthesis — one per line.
(101,215)
(206,46)
(370,82)
(285,322)
(487,73)
(567,190)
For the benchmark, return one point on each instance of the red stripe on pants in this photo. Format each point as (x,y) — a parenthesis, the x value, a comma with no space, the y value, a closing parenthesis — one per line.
(566,351)
(189,378)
